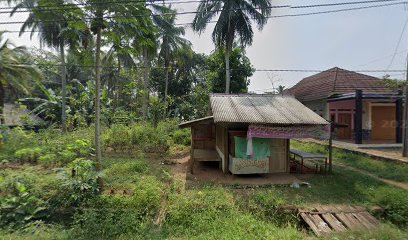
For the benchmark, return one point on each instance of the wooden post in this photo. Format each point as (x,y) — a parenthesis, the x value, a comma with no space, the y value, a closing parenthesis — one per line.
(192,151)
(398,117)
(358,119)
(331,147)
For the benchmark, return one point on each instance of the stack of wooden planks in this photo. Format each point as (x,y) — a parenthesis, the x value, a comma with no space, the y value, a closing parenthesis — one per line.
(338,218)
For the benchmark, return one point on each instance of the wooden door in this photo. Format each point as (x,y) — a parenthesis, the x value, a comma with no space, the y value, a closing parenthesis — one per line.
(278,158)
(344,132)
(383,122)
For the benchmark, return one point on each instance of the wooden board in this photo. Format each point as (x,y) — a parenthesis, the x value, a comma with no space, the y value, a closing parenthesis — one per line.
(324,220)
(205,155)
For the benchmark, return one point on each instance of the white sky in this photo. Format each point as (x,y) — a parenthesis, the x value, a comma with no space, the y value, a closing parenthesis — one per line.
(355,40)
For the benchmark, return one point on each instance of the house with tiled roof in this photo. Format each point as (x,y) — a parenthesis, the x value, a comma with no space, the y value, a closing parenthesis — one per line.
(364,105)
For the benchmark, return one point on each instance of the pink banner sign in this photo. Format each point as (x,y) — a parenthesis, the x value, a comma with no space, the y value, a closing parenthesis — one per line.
(315,131)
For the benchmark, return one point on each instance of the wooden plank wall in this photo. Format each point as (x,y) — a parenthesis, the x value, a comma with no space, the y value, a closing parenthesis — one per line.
(203,136)
(221,142)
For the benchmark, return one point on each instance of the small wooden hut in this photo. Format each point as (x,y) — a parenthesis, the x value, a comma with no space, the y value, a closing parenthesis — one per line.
(249,134)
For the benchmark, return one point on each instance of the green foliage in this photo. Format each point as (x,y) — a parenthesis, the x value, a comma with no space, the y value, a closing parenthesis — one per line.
(239,76)
(383,232)
(48,159)
(270,205)
(136,137)
(124,173)
(29,155)
(79,184)
(196,208)
(182,137)
(213,214)
(384,169)
(395,204)
(20,208)
(110,217)
(15,139)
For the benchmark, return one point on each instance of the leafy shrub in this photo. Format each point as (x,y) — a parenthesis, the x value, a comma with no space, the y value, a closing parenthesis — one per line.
(81,147)
(117,137)
(48,159)
(395,204)
(16,139)
(20,208)
(136,136)
(108,217)
(182,137)
(66,156)
(79,184)
(30,155)
(29,177)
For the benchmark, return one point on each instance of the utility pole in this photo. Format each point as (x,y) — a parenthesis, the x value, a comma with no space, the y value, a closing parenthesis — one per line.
(404,123)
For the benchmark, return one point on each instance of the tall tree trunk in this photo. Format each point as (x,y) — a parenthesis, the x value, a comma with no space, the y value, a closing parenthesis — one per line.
(63,88)
(98,104)
(145,84)
(227,70)
(166,87)
(2,96)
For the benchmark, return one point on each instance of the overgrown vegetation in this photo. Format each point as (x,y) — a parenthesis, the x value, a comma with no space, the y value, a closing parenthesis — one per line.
(141,199)
(390,170)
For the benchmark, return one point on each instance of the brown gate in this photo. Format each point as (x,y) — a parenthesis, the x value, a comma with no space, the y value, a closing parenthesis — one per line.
(383,122)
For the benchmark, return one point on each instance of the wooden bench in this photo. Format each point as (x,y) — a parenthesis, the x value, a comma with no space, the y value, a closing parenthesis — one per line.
(308,158)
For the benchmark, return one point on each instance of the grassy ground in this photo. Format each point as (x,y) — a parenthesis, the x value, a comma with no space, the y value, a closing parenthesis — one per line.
(205,212)
(389,170)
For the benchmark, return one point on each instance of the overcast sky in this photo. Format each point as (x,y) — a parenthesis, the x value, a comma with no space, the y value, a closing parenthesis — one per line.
(355,40)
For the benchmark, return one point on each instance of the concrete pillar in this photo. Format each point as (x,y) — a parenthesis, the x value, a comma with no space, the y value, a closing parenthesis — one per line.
(398,117)
(358,119)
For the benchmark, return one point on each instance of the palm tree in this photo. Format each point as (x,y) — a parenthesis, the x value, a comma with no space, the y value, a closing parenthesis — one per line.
(234,21)
(171,43)
(281,89)
(14,73)
(51,27)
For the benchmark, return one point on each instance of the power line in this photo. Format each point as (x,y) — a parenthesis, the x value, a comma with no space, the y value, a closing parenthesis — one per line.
(236,69)
(194,12)
(53,7)
(48,8)
(398,43)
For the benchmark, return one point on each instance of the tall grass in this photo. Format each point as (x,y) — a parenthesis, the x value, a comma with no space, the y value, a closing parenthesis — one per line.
(390,170)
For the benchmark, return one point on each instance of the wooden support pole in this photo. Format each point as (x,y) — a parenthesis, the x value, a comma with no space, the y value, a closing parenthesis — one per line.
(398,117)
(358,119)
(331,147)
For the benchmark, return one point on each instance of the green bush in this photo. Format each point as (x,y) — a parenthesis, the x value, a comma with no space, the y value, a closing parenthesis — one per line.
(395,204)
(110,217)
(29,155)
(136,137)
(16,139)
(182,137)
(48,159)
(78,184)
(20,208)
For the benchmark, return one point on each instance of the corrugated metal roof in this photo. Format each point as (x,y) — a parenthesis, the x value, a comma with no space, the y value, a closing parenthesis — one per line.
(261,109)
(195,121)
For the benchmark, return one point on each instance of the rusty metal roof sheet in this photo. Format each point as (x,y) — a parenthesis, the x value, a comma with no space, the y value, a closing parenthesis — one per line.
(262,109)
